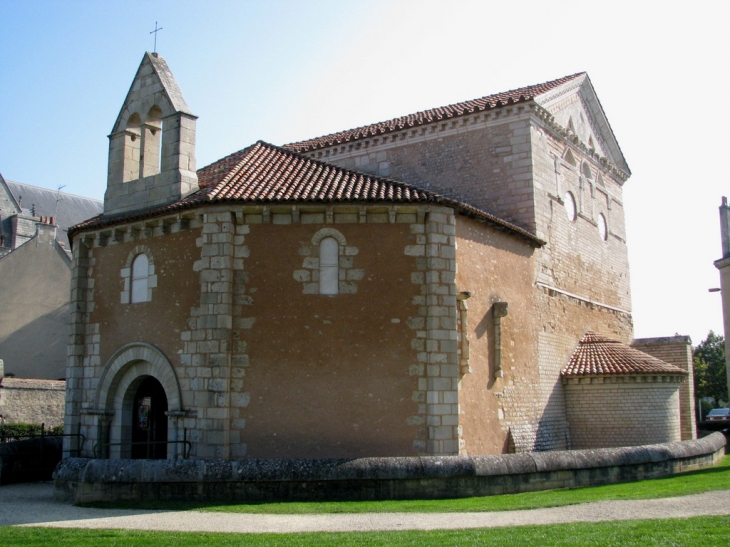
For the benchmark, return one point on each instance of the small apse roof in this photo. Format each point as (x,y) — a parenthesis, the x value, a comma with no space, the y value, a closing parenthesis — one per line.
(597,355)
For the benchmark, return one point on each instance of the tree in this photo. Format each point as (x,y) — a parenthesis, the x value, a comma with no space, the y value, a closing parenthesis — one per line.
(709,369)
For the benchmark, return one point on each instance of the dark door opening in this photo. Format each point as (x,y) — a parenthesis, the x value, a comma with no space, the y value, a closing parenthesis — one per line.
(149,423)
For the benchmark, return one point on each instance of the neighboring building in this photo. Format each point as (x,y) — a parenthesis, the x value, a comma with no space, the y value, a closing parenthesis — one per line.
(410,287)
(35,276)
(22,206)
(723,264)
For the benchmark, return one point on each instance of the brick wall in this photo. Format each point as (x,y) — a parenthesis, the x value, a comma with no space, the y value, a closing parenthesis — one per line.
(613,411)
(677,351)
(263,364)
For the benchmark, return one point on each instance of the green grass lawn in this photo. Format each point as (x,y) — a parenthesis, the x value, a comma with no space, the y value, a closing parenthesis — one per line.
(701,531)
(693,482)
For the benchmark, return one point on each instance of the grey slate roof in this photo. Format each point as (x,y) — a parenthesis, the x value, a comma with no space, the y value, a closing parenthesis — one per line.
(68,209)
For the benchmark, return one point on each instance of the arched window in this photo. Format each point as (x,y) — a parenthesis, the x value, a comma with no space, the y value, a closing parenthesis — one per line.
(140,279)
(570,207)
(132,140)
(151,136)
(329,271)
(602,227)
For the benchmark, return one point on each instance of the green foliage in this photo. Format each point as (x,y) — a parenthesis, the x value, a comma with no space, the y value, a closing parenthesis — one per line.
(709,369)
(19,431)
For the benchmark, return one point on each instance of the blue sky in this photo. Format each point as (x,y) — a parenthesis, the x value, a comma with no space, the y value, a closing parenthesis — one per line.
(285,70)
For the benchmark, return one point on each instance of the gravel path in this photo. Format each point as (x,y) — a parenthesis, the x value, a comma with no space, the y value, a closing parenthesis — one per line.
(33,505)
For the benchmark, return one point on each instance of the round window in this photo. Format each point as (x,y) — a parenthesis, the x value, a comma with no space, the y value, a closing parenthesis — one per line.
(602,227)
(569,202)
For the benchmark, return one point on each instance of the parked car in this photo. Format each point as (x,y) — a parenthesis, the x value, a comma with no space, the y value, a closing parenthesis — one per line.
(718,414)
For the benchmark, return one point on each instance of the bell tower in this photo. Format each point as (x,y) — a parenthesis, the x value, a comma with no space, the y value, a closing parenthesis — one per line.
(152,144)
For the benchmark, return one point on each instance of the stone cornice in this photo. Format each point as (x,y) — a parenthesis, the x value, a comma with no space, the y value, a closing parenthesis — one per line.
(138,230)
(722,263)
(564,89)
(635,379)
(426,131)
(558,131)
(549,289)
(467,122)
(121,231)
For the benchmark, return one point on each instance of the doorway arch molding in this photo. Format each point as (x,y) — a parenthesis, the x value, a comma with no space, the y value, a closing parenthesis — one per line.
(129,363)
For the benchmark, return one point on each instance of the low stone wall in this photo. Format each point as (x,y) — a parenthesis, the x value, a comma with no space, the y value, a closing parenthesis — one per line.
(83,480)
(33,401)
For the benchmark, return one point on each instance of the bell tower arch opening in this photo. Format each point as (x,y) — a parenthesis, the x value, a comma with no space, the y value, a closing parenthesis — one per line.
(132,140)
(151,137)
(152,143)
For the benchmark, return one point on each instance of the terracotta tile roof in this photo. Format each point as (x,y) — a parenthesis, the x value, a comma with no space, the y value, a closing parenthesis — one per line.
(498,100)
(597,355)
(264,173)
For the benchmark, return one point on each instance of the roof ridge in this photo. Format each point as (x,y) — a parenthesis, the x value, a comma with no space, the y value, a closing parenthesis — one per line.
(524,94)
(212,193)
(52,190)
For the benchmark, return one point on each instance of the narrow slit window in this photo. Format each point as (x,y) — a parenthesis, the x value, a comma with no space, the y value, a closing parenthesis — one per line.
(329,274)
(140,279)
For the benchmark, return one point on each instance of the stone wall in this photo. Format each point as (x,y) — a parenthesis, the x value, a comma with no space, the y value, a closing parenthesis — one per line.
(152,145)
(613,411)
(518,164)
(32,401)
(261,361)
(484,158)
(577,250)
(677,351)
(82,481)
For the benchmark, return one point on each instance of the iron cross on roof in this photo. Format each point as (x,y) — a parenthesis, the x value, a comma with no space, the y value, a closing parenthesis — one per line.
(155,33)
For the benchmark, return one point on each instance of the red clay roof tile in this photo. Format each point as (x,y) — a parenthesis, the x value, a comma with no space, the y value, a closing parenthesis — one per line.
(498,100)
(597,355)
(264,173)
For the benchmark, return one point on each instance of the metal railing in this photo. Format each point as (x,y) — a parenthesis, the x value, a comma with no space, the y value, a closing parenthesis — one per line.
(6,437)
(101,449)
(31,456)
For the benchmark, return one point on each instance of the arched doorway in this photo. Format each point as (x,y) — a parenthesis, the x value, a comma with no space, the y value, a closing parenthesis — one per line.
(149,421)
(116,399)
